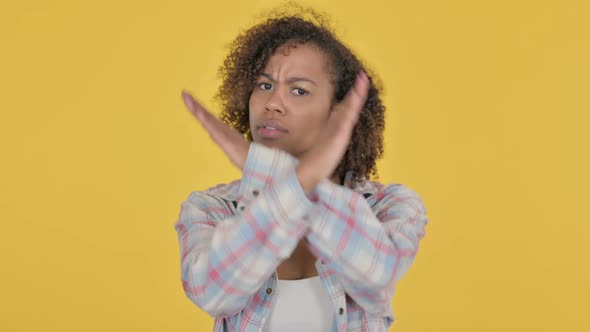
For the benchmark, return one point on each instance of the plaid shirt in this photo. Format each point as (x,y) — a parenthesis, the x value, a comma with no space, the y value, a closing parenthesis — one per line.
(233,236)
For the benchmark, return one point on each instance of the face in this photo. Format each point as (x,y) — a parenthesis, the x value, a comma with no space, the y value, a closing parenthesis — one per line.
(291,100)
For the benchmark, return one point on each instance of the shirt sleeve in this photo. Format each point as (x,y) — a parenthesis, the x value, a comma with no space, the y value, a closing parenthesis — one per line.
(226,258)
(368,243)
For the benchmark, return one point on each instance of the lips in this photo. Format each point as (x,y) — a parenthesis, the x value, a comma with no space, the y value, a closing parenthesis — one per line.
(270,124)
(270,129)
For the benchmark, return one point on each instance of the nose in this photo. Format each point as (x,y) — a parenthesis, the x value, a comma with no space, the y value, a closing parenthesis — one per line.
(274,103)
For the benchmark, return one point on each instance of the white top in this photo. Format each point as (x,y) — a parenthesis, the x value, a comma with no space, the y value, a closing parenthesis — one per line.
(300,305)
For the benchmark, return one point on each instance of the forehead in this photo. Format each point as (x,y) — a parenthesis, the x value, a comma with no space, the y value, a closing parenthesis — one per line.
(299,59)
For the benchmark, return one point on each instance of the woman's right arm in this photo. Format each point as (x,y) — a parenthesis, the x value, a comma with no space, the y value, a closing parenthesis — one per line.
(226,258)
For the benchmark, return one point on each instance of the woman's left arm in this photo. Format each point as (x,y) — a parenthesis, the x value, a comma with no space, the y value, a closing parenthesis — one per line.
(369,243)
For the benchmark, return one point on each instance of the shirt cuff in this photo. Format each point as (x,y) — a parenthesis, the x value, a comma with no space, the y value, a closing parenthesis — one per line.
(271,161)
(287,201)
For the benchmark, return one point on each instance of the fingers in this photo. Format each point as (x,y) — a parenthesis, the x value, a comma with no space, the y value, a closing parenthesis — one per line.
(215,127)
(207,120)
(230,140)
(355,99)
(193,106)
(361,85)
(357,95)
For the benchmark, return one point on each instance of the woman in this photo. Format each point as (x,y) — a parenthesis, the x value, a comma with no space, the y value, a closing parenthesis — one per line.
(303,241)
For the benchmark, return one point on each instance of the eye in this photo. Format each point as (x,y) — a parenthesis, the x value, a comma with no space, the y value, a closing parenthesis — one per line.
(300,92)
(265,86)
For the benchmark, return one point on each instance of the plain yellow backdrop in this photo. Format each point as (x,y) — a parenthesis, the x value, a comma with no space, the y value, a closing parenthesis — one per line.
(487,118)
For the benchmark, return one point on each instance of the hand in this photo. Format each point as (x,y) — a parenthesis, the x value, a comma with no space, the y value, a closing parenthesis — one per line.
(229,139)
(321,161)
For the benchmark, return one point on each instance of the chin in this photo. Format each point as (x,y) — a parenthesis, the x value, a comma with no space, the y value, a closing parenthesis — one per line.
(266,142)
(276,144)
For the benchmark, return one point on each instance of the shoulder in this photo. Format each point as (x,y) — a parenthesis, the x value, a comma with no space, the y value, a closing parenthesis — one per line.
(213,204)
(379,194)
(221,193)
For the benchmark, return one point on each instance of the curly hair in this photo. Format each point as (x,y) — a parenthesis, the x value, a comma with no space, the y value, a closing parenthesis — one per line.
(249,54)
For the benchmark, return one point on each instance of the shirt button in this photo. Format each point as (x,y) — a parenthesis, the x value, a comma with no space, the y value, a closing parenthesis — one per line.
(255,193)
(268,290)
(341,311)
(242,208)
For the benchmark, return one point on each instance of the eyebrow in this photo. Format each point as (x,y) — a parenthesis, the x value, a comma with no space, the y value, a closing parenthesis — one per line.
(290,79)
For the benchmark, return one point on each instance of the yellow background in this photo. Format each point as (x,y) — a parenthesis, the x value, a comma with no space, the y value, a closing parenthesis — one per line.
(487,119)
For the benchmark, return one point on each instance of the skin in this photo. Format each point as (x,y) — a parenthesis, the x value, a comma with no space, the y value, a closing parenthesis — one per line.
(314,132)
(294,90)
